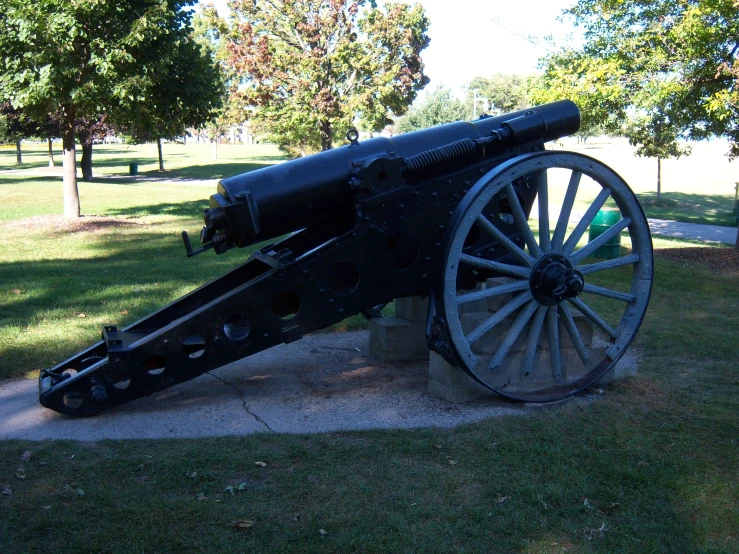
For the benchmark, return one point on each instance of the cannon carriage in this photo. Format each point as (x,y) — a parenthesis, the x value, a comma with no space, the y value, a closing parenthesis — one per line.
(462,213)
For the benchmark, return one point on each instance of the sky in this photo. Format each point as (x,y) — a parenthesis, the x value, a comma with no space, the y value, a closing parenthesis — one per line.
(483,37)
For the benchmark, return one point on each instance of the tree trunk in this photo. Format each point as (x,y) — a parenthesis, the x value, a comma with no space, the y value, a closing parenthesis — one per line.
(161,159)
(214,149)
(659,179)
(326,136)
(86,161)
(51,154)
(18,155)
(69,163)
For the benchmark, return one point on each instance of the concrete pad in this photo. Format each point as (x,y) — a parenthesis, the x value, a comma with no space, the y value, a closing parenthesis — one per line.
(321,383)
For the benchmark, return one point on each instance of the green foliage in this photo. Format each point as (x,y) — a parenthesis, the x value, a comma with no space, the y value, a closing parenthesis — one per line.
(309,69)
(503,92)
(675,61)
(87,59)
(186,91)
(438,108)
(655,137)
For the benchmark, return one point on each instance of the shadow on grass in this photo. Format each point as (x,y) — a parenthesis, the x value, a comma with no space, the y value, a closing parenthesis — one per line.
(192,208)
(215,170)
(710,209)
(136,274)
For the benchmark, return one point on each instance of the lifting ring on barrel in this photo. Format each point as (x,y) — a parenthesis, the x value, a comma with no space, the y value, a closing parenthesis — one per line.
(558,318)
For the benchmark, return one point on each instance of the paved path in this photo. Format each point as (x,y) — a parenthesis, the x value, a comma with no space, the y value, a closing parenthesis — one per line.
(693,231)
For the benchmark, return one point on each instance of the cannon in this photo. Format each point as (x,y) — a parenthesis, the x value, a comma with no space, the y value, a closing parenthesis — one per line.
(462,214)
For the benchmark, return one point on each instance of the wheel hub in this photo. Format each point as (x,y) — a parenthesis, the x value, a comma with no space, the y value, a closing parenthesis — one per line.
(553,280)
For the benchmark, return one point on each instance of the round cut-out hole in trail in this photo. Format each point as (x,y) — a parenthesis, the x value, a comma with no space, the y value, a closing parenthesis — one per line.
(236,327)
(344,277)
(155,364)
(286,304)
(401,250)
(73,400)
(193,347)
(123,383)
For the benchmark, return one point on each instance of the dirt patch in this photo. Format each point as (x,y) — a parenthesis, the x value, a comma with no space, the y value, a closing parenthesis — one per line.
(89,223)
(724,260)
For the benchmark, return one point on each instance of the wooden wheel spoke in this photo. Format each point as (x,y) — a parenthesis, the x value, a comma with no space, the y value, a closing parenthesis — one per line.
(554,353)
(521,221)
(515,286)
(507,243)
(513,333)
(592,316)
(571,329)
(608,264)
(542,187)
(585,221)
(608,293)
(564,214)
(596,243)
(506,310)
(533,340)
(508,269)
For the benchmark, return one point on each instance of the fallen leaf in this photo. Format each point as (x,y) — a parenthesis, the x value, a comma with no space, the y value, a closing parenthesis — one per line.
(81,315)
(260,464)
(46,507)
(502,499)
(192,474)
(322,532)
(26,456)
(200,497)
(240,487)
(123,312)
(243,524)
(20,473)
(297,517)
(452,462)
(7,491)
(76,492)
(586,503)
(17,291)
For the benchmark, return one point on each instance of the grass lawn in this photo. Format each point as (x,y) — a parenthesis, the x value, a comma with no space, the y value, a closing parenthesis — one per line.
(652,465)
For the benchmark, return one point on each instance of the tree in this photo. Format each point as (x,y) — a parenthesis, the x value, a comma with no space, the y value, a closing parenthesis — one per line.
(15,125)
(673,59)
(83,60)
(310,68)
(504,92)
(186,91)
(438,108)
(655,137)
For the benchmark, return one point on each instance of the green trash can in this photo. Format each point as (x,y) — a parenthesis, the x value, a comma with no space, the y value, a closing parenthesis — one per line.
(604,220)
(133,169)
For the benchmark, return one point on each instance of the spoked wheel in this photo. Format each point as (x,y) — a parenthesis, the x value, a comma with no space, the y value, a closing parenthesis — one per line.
(550,318)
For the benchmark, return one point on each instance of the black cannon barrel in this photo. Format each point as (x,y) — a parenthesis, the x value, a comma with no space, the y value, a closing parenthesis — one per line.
(289,196)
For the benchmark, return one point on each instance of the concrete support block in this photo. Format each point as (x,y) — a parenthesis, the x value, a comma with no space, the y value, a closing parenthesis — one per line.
(412,308)
(496,302)
(393,339)
(452,383)
(476,305)
(626,367)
